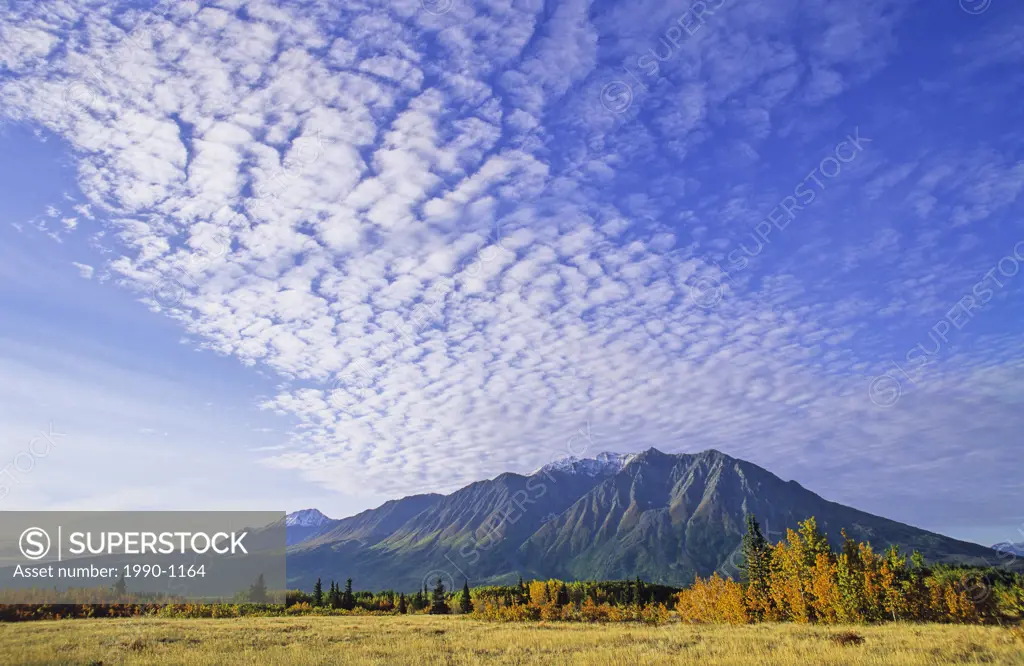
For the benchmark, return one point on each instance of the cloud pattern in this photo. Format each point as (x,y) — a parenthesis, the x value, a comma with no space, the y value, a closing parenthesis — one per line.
(463,233)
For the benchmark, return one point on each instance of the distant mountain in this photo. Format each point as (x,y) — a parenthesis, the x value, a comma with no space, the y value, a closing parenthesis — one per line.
(306,518)
(661,516)
(1012,548)
(305,524)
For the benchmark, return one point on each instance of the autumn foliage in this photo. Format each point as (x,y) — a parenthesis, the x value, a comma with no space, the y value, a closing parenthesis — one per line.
(802,579)
(576,601)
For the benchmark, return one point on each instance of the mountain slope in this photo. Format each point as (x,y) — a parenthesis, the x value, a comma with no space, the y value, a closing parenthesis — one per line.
(473,533)
(663,517)
(667,518)
(372,525)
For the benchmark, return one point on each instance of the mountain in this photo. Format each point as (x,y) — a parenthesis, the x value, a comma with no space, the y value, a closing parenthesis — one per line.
(305,524)
(1016,549)
(664,517)
(375,524)
(306,518)
(603,464)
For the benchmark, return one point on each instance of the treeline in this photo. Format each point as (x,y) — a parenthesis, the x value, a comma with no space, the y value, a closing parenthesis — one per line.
(615,592)
(799,579)
(802,579)
(593,601)
(576,601)
(552,599)
(28,612)
(336,598)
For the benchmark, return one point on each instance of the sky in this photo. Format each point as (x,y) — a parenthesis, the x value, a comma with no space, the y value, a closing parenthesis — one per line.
(275,255)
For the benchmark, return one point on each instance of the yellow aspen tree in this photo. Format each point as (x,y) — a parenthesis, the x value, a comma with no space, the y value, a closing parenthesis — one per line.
(789,578)
(538,593)
(825,589)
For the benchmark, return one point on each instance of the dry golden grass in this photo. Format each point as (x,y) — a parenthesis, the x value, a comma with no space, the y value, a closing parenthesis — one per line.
(457,640)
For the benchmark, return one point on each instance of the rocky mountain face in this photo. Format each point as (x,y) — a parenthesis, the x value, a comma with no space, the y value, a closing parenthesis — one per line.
(302,525)
(664,517)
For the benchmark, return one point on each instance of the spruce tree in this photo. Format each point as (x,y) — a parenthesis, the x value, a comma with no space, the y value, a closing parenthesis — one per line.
(258,591)
(335,598)
(466,603)
(402,608)
(348,601)
(756,569)
(438,605)
(318,593)
(121,587)
(562,598)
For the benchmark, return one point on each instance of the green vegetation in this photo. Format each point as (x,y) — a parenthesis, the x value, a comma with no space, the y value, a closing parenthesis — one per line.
(800,579)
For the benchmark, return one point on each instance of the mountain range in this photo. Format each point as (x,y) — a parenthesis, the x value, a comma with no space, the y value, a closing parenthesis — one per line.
(663,517)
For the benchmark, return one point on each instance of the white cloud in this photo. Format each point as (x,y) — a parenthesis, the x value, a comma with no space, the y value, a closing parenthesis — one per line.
(454,257)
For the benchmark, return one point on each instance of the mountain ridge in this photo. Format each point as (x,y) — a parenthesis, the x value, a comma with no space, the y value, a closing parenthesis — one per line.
(665,517)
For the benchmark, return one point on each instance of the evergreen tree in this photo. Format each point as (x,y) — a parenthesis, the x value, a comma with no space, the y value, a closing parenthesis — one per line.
(465,603)
(120,588)
(438,605)
(318,593)
(641,592)
(757,566)
(419,602)
(562,598)
(402,608)
(258,591)
(335,597)
(348,600)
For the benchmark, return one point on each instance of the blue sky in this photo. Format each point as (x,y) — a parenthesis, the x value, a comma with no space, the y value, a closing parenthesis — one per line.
(278,255)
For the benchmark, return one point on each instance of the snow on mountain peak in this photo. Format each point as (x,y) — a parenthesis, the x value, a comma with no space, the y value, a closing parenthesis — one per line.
(306,518)
(1009,547)
(606,463)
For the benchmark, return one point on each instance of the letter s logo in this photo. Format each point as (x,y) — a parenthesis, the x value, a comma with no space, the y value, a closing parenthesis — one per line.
(34,543)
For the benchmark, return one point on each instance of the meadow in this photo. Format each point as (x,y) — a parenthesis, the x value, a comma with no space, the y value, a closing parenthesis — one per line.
(431,639)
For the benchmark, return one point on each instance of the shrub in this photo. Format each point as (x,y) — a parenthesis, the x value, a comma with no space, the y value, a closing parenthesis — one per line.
(848,638)
(713,600)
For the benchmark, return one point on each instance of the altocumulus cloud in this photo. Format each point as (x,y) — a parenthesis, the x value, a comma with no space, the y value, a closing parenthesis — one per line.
(455,257)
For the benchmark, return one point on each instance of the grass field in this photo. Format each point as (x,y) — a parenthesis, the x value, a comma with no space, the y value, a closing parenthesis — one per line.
(456,640)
